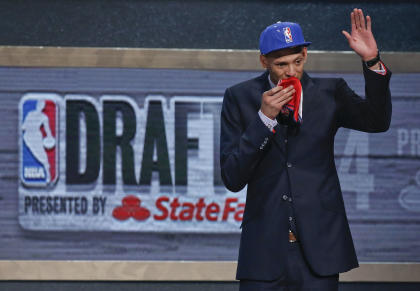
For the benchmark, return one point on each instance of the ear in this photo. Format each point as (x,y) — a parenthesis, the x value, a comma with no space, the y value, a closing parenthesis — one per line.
(305,54)
(263,61)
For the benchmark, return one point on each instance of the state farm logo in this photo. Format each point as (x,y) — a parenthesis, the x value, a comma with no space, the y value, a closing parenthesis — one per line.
(131,207)
(174,208)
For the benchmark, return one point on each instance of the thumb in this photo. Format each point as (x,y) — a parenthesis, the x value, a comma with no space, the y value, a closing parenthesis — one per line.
(347,35)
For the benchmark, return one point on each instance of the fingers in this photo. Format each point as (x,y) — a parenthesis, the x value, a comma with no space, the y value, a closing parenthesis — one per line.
(353,21)
(356,18)
(278,95)
(369,23)
(283,96)
(274,90)
(347,35)
(362,19)
(272,104)
(358,21)
(282,102)
(286,91)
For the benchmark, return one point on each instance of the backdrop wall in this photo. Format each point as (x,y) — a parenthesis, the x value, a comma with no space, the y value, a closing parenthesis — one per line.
(213,24)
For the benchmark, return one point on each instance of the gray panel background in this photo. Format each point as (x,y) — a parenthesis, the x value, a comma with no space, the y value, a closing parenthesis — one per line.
(385,232)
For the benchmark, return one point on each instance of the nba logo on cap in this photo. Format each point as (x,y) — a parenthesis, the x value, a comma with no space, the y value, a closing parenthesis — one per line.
(287,34)
(38,130)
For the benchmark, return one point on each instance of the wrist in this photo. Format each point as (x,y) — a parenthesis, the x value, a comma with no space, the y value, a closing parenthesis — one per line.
(371,61)
(267,114)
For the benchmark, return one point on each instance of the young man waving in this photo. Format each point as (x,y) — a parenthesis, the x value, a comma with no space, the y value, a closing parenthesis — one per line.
(277,137)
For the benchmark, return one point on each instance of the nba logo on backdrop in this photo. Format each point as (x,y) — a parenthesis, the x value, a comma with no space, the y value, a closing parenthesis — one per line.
(287,34)
(38,134)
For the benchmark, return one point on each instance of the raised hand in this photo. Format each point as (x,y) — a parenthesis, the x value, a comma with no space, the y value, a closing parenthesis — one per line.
(361,39)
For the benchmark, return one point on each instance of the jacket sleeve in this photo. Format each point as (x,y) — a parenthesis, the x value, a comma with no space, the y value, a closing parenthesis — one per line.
(372,114)
(241,146)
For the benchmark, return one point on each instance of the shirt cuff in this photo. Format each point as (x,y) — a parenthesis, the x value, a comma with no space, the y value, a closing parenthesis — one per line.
(270,123)
(382,69)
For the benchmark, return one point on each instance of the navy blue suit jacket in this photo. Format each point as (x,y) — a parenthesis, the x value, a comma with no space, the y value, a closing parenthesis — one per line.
(300,165)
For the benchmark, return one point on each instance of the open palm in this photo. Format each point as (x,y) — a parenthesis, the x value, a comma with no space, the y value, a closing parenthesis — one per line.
(361,39)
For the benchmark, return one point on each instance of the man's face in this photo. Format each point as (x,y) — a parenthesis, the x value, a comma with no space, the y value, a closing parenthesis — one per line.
(285,63)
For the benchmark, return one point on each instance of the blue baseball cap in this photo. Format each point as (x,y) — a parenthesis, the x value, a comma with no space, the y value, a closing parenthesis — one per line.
(281,35)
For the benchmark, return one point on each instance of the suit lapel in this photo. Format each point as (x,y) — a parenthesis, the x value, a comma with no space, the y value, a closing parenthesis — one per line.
(307,85)
(310,99)
(265,84)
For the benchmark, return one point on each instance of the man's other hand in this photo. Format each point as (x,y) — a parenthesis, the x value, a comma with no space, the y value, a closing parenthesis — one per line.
(273,100)
(361,39)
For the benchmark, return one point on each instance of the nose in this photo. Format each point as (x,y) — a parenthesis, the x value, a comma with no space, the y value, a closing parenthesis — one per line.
(291,71)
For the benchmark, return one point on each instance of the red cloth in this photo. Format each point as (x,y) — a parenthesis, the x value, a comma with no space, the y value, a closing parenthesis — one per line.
(293,105)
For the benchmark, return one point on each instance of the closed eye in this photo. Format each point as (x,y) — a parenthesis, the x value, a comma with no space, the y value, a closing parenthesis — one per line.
(281,64)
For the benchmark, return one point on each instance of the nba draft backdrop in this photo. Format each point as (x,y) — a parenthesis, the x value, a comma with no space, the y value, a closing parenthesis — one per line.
(123,164)
(117,162)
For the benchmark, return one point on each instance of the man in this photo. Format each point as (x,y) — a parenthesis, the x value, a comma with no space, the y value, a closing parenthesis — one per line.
(295,233)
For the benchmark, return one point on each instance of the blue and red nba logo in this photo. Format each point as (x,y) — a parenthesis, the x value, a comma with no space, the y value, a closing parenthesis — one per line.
(39,139)
(287,34)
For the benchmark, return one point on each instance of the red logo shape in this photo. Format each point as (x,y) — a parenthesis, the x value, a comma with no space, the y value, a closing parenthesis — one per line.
(131,208)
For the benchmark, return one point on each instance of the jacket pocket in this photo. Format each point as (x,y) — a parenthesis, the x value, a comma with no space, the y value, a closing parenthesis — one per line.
(258,191)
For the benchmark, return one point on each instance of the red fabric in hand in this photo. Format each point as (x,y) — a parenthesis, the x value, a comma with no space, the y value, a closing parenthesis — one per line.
(293,105)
